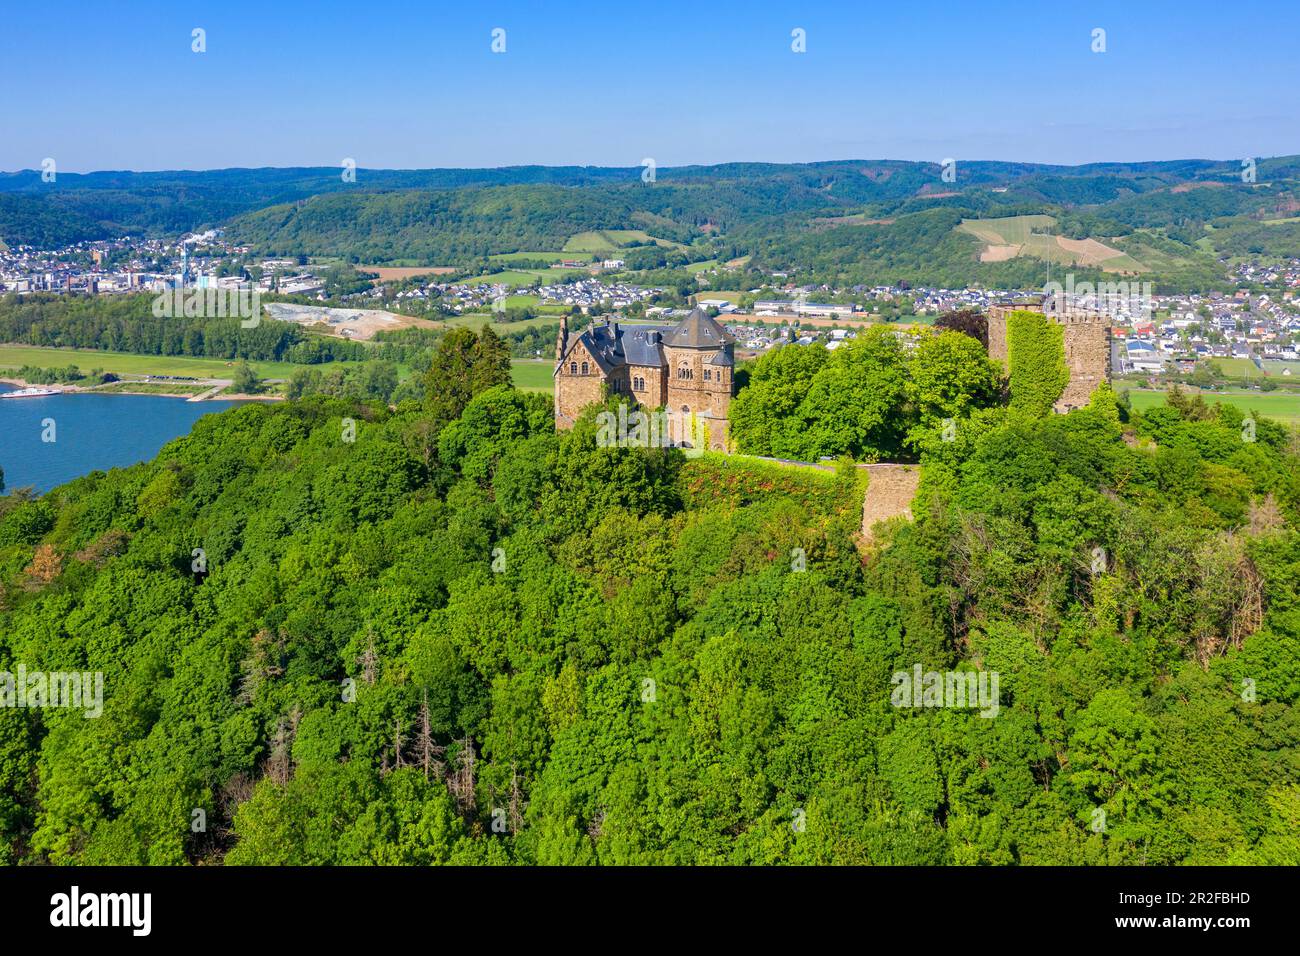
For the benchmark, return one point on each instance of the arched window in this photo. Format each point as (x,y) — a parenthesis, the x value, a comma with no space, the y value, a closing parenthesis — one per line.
(573,368)
(584,368)
(708,375)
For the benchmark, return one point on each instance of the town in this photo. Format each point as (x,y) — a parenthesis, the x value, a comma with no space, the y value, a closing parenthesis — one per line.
(1258,322)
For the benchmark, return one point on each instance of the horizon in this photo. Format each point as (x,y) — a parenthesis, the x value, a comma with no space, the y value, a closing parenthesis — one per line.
(660,167)
(305,86)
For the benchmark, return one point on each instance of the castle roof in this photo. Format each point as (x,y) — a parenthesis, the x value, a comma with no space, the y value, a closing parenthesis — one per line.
(722,357)
(612,344)
(643,345)
(698,331)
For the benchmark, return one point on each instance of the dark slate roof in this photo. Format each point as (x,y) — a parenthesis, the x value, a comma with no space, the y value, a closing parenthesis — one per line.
(616,345)
(642,345)
(698,331)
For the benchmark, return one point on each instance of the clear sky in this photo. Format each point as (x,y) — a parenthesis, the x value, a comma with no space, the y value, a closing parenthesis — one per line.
(115,85)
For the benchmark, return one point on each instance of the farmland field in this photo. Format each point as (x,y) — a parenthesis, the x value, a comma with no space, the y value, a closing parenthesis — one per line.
(1283,407)
(515,278)
(1012,236)
(476,320)
(389,273)
(511,257)
(1011,230)
(608,240)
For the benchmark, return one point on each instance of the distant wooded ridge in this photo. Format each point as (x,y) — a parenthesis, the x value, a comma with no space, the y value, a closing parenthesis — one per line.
(841,221)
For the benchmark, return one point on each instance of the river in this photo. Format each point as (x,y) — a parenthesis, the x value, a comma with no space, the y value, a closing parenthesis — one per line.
(91,432)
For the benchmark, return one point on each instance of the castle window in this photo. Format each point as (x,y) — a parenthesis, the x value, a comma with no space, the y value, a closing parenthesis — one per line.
(573,368)
(683,372)
(638,384)
(584,368)
(708,375)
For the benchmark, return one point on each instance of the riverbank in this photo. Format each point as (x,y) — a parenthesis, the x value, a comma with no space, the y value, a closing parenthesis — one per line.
(205,391)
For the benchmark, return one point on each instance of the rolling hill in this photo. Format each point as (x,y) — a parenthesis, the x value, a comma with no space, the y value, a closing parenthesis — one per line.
(860,220)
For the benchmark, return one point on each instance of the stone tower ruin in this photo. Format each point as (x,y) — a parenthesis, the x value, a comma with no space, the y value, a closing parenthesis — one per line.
(1087,340)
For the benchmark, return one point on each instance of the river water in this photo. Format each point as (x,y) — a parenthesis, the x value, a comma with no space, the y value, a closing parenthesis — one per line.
(91,432)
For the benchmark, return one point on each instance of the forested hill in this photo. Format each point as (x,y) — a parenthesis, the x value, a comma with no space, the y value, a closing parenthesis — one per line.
(810,217)
(464,638)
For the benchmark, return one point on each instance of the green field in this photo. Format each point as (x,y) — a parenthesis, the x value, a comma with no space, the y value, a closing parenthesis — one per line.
(13,357)
(510,257)
(1283,407)
(152,388)
(1009,230)
(1245,368)
(532,376)
(608,240)
(517,278)
(476,320)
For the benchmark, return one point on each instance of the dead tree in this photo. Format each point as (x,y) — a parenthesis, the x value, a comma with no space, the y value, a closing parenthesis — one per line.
(461,781)
(278,764)
(428,752)
(369,660)
(516,807)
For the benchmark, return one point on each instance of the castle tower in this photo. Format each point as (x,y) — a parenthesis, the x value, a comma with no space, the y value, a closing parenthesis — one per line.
(1085,335)
(700,363)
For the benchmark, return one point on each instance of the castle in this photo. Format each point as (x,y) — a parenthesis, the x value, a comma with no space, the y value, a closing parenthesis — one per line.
(687,368)
(1087,341)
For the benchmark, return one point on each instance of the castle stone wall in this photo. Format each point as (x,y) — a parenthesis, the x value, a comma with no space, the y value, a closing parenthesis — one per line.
(1086,337)
(574,392)
(1087,356)
(998,335)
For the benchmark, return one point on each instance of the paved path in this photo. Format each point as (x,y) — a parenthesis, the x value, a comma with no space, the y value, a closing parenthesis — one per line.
(218,386)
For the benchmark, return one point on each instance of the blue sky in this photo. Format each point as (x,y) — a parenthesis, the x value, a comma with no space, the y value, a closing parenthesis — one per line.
(109,85)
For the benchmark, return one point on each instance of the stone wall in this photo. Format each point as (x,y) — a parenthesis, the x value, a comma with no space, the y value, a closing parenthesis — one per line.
(655,392)
(890,490)
(1087,356)
(998,335)
(574,392)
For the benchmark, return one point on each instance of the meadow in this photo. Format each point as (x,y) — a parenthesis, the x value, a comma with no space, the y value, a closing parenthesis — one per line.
(1245,368)
(13,357)
(508,258)
(531,375)
(1285,407)
(516,278)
